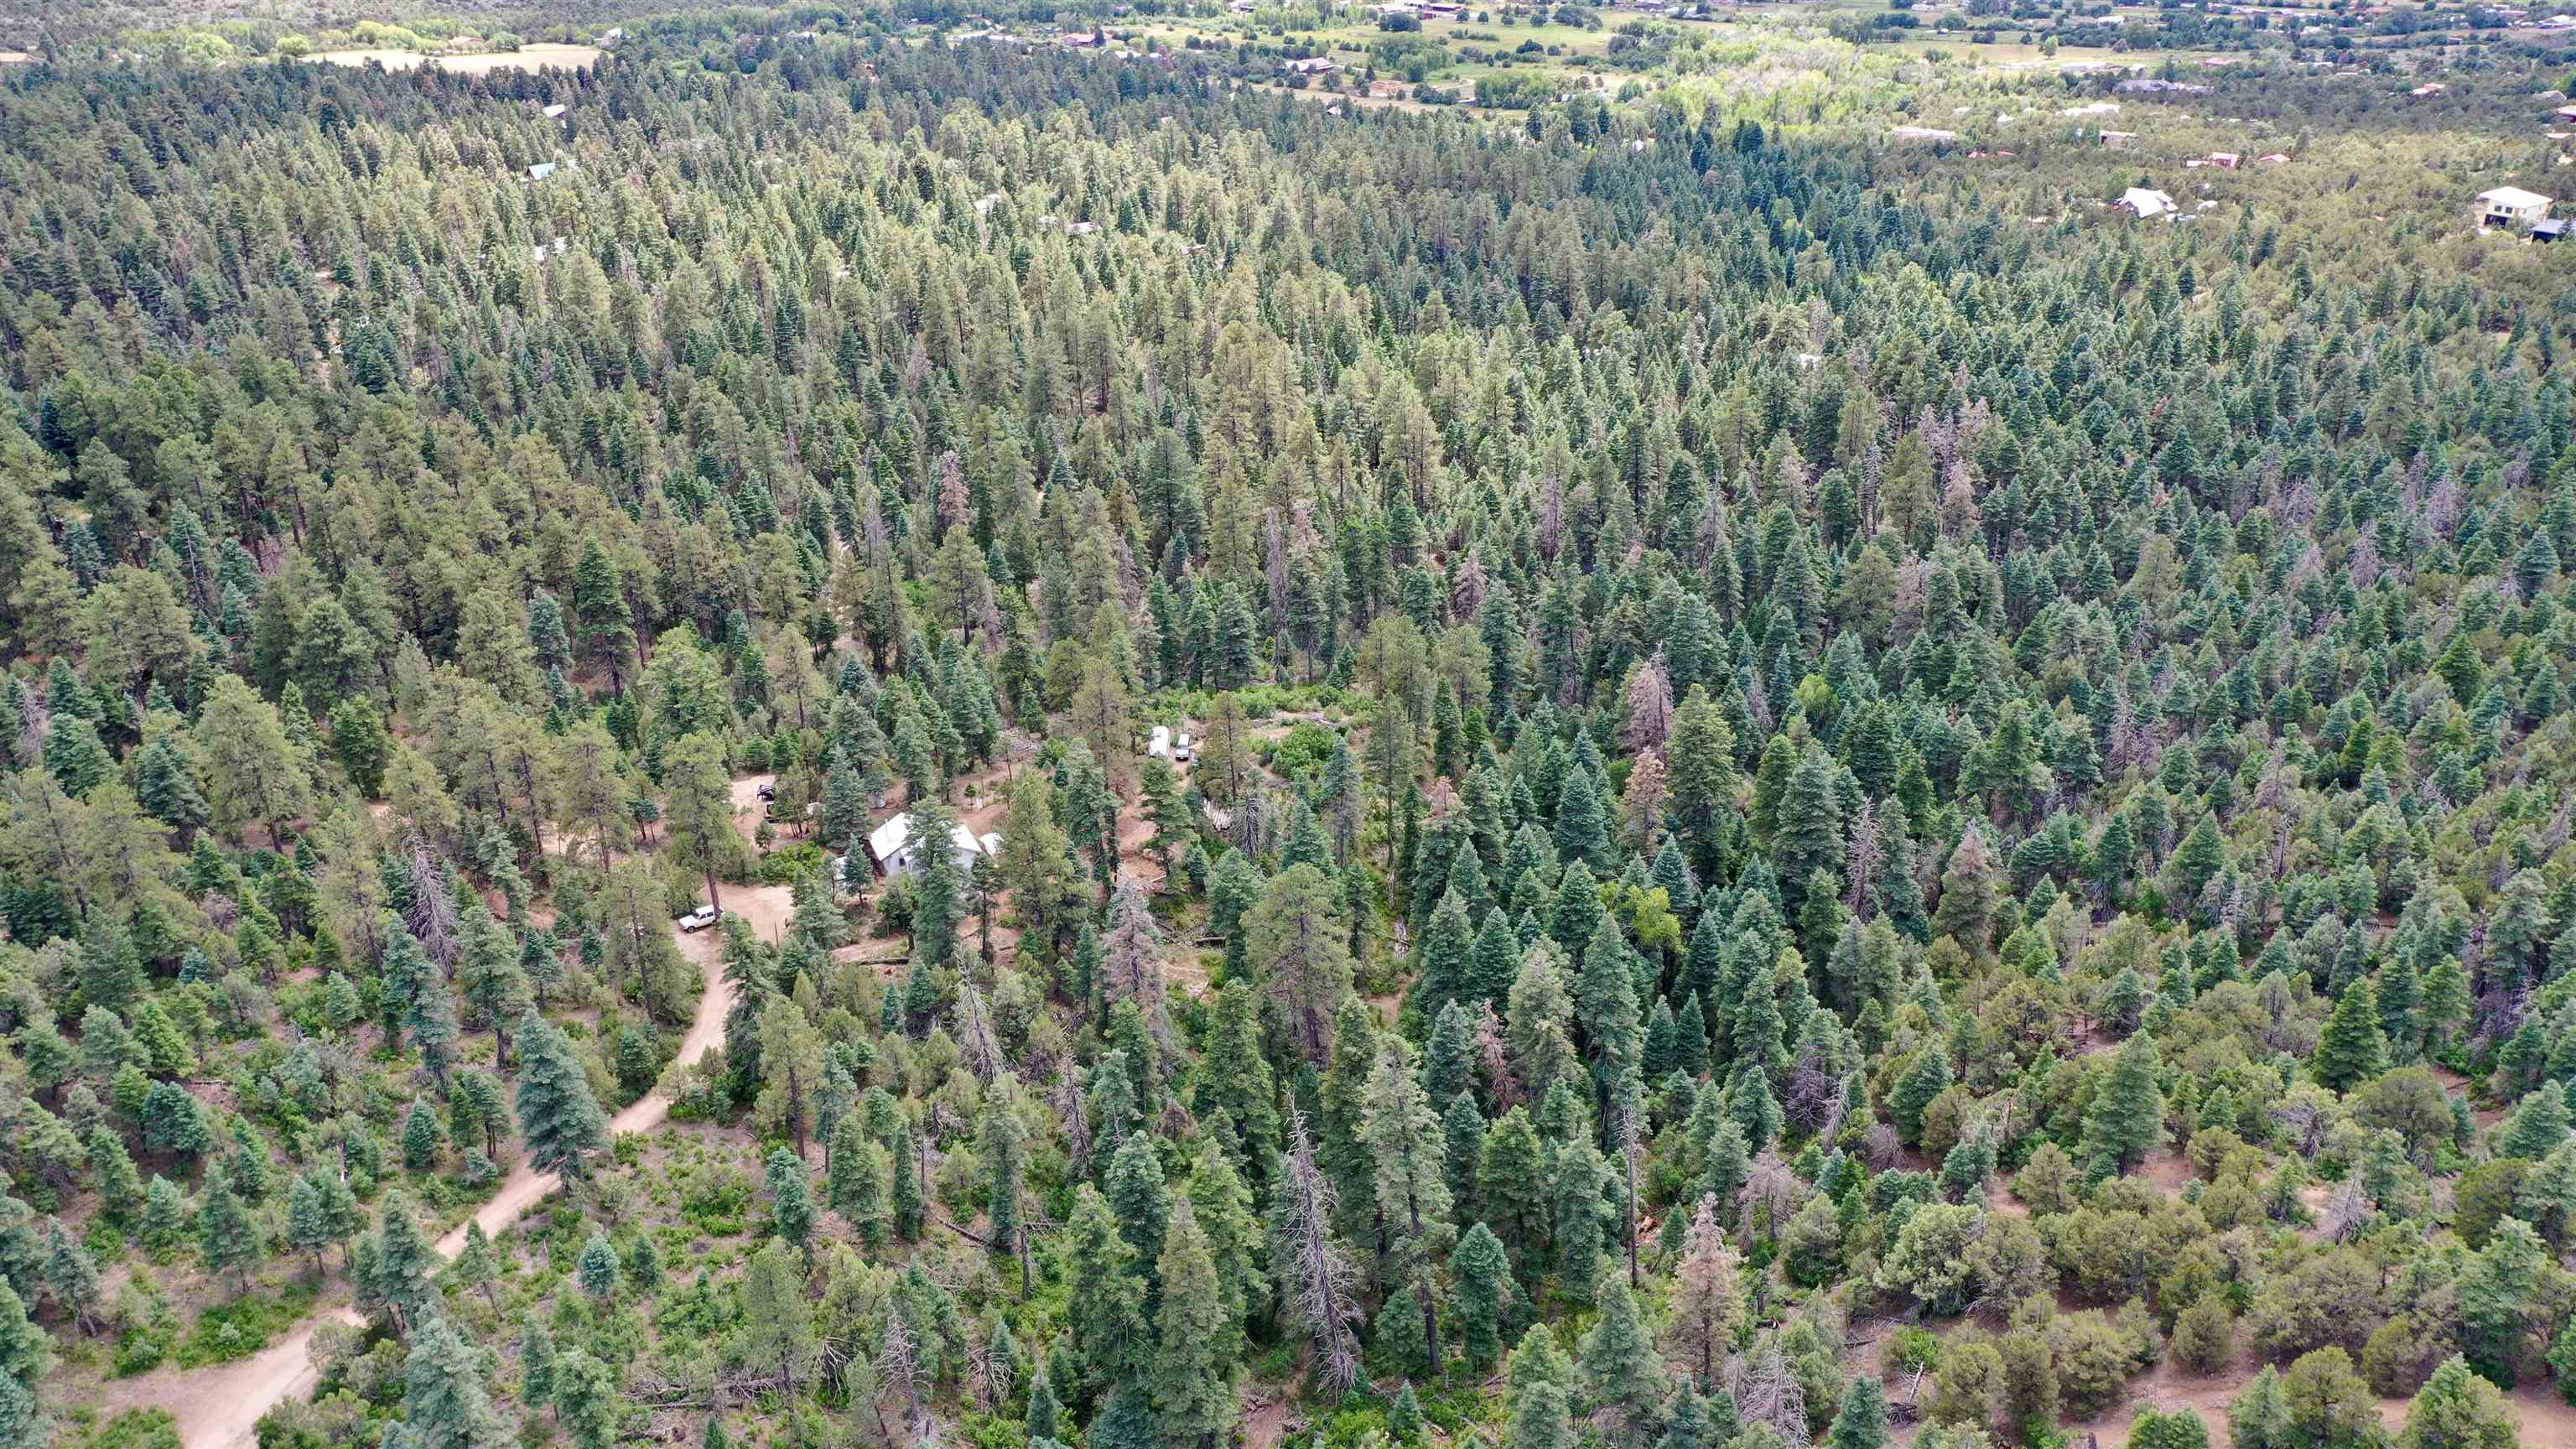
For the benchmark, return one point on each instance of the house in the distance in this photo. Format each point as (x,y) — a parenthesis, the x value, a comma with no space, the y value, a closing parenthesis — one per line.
(2511,206)
(2551,230)
(1310,65)
(2144,203)
(895,851)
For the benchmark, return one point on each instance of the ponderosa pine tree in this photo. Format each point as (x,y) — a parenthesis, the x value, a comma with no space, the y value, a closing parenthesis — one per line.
(698,810)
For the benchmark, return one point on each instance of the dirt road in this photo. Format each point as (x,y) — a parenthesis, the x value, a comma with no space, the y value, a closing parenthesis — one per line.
(220,1407)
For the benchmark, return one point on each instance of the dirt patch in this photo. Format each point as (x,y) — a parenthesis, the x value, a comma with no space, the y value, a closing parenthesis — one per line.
(2170,1172)
(749,809)
(2168,1387)
(2547,1418)
(1267,1421)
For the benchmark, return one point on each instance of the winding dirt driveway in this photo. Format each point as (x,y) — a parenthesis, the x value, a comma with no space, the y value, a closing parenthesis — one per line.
(219,1407)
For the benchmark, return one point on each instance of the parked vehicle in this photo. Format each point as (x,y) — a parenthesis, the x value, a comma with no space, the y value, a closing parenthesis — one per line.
(1181,747)
(701,918)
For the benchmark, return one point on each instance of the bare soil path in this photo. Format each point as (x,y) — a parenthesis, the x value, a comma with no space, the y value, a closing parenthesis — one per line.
(220,1407)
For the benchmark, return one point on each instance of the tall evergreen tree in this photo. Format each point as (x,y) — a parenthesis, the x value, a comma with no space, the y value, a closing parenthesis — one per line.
(559,1119)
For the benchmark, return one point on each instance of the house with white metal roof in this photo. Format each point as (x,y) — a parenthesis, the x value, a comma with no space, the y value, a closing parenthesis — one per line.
(895,851)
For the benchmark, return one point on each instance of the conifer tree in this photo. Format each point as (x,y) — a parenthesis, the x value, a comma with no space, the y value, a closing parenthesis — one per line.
(1484,1292)
(1404,1143)
(585,1397)
(2127,1118)
(1708,1297)
(1928,1078)
(1111,1336)
(778,1320)
(1606,995)
(1041,1421)
(2495,1297)
(71,1276)
(25,1358)
(446,1404)
(1861,1423)
(1620,1370)
(791,1199)
(1192,1382)
(1315,1274)
(1539,1397)
(906,1205)
(1582,822)
(2538,1127)
(596,1270)
(2353,1050)
(477,1266)
(226,1237)
(559,1119)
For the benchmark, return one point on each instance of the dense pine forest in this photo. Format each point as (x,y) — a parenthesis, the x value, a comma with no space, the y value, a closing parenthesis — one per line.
(1826,800)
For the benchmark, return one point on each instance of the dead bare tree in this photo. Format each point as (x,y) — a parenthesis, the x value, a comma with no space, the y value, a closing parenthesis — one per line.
(975,1036)
(898,1368)
(1766,1390)
(1316,1276)
(1708,1298)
